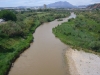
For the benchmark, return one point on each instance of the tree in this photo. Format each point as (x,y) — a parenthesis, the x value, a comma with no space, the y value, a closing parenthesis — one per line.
(7,15)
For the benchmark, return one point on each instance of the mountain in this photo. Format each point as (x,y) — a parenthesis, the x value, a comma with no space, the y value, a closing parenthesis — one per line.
(60,4)
(94,6)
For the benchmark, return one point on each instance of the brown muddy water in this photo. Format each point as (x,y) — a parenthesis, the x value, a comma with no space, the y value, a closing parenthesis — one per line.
(45,55)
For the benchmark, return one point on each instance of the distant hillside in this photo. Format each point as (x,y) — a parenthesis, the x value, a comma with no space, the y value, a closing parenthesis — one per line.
(61,4)
(82,6)
(94,6)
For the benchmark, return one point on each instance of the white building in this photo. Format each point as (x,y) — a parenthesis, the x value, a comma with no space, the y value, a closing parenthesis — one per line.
(1,20)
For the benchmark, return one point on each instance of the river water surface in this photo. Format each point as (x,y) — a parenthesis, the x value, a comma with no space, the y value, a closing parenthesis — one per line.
(45,55)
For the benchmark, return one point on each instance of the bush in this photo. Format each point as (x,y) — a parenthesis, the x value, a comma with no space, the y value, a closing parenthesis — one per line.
(10,29)
(95,45)
(7,15)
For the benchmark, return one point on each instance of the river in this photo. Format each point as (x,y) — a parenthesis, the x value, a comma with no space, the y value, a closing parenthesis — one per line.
(45,55)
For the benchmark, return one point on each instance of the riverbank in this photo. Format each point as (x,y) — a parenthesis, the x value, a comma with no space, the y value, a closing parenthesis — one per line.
(82,63)
(82,32)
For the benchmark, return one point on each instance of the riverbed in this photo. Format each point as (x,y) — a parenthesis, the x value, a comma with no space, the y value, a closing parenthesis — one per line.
(45,55)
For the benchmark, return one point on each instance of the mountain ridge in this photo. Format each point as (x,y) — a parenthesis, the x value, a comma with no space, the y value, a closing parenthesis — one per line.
(94,6)
(61,4)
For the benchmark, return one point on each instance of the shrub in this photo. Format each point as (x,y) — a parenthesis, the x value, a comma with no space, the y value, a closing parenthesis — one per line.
(95,45)
(7,15)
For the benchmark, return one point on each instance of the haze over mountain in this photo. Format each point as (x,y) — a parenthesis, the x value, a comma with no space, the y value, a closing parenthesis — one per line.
(61,4)
(82,6)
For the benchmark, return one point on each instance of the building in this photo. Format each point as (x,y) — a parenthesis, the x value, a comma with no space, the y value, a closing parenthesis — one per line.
(45,6)
(1,20)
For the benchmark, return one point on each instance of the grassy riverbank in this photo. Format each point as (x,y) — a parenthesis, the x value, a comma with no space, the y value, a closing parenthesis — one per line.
(15,37)
(81,32)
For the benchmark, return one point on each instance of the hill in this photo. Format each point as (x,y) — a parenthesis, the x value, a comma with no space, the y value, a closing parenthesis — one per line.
(61,4)
(94,6)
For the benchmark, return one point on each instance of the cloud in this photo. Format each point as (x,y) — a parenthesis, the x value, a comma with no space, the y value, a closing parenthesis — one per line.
(95,1)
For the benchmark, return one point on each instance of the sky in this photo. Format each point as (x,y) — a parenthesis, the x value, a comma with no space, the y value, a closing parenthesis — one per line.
(15,3)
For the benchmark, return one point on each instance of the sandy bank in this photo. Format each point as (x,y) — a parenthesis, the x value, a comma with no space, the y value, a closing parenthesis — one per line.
(81,63)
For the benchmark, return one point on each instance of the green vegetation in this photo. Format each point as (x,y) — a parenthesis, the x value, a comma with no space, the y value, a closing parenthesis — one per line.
(16,36)
(81,32)
(7,15)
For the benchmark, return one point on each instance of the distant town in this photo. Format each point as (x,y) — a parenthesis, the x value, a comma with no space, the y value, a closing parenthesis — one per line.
(57,5)
(27,8)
